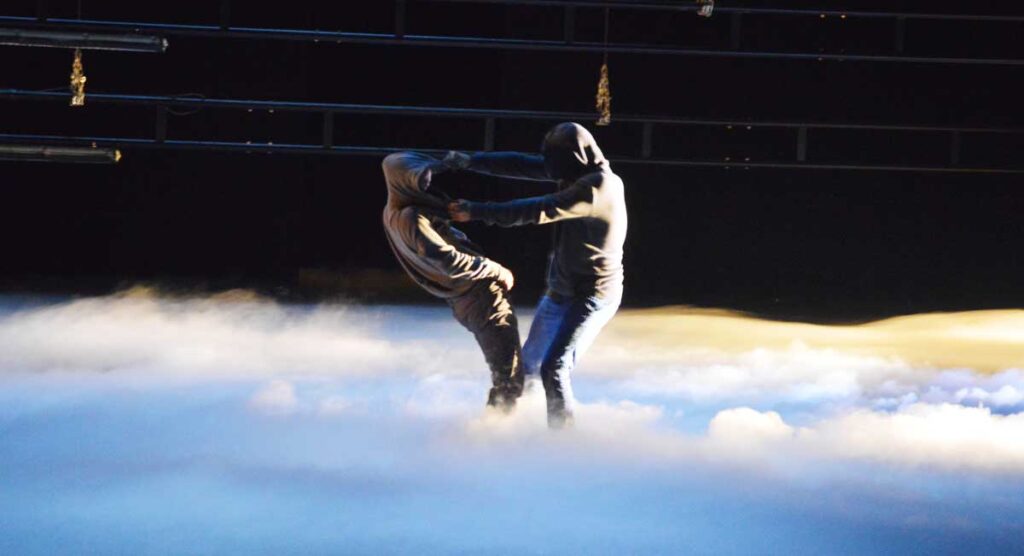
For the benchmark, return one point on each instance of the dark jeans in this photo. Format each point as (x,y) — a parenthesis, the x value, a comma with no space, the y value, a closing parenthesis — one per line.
(486,312)
(561,333)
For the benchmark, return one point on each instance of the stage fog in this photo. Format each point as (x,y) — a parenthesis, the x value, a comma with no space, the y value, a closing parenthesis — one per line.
(144,423)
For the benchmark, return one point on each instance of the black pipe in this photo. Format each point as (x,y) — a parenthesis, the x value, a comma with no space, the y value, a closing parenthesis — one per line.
(351,150)
(476,113)
(389,39)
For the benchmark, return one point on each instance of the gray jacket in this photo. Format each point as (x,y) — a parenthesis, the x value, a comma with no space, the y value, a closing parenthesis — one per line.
(438,257)
(588,209)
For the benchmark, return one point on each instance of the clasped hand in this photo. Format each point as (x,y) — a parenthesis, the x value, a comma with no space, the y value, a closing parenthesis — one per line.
(458,211)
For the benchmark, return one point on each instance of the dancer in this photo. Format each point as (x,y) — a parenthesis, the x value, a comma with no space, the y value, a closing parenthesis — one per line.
(443,261)
(585,275)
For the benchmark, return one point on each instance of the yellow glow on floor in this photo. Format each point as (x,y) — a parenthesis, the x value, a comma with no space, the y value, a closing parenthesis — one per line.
(986,341)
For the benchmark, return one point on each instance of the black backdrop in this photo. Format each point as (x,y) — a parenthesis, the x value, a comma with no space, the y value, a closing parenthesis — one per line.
(788,243)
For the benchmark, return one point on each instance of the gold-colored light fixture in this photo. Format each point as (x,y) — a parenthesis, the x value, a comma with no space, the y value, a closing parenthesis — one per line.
(77,80)
(604,98)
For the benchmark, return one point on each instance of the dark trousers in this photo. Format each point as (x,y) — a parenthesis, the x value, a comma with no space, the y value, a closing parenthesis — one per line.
(486,312)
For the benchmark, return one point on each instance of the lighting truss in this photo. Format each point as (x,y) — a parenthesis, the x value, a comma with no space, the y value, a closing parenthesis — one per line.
(802,134)
(568,43)
(52,153)
(84,41)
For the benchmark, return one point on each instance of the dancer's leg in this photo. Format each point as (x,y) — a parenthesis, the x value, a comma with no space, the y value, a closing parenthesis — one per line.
(486,312)
(583,321)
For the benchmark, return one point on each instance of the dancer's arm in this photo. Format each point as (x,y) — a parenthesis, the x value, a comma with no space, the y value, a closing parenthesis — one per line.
(574,202)
(501,164)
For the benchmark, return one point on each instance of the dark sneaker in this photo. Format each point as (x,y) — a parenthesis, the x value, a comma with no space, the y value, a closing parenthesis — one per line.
(502,400)
(561,419)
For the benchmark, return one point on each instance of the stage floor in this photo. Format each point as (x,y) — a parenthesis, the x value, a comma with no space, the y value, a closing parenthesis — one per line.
(143,424)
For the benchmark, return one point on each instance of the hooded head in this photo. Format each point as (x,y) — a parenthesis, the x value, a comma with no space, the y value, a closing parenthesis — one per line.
(409,176)
(570,152)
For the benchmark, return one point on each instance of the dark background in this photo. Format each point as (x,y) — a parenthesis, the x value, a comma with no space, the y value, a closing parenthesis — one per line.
(801,243)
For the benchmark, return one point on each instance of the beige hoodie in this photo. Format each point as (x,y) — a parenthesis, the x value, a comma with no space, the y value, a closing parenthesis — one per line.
(436,256)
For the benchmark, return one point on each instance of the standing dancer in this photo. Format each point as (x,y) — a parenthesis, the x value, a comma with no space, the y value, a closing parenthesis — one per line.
(584,280)
(443,261)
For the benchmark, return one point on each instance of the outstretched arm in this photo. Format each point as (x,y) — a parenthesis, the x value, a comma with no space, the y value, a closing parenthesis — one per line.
(574,202)
(449,260)
(501,164)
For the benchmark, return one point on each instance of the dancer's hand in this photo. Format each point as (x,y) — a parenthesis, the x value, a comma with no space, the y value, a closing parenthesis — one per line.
(458,211)
(455,160)
(506,279)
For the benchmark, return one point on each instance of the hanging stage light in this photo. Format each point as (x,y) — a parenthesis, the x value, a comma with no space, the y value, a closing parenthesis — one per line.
(45,153)
(85,41)
(705,7)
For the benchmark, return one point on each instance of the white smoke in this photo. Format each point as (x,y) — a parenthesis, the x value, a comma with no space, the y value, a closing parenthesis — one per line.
(235,335)
(854,405)
(141,392)
(945,436)
(277,398)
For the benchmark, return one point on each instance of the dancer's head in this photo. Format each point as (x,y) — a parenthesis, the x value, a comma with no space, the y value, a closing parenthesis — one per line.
(409,177)
(570,151)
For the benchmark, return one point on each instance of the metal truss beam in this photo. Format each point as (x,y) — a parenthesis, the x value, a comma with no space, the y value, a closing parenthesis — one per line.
(685,6)
(328,111)
(402,38)
(50,153)
(191,102)
(85,41)
(352,150)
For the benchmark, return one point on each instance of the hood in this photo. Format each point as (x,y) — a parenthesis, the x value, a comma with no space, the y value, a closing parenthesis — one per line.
(570,152)
(408,176)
